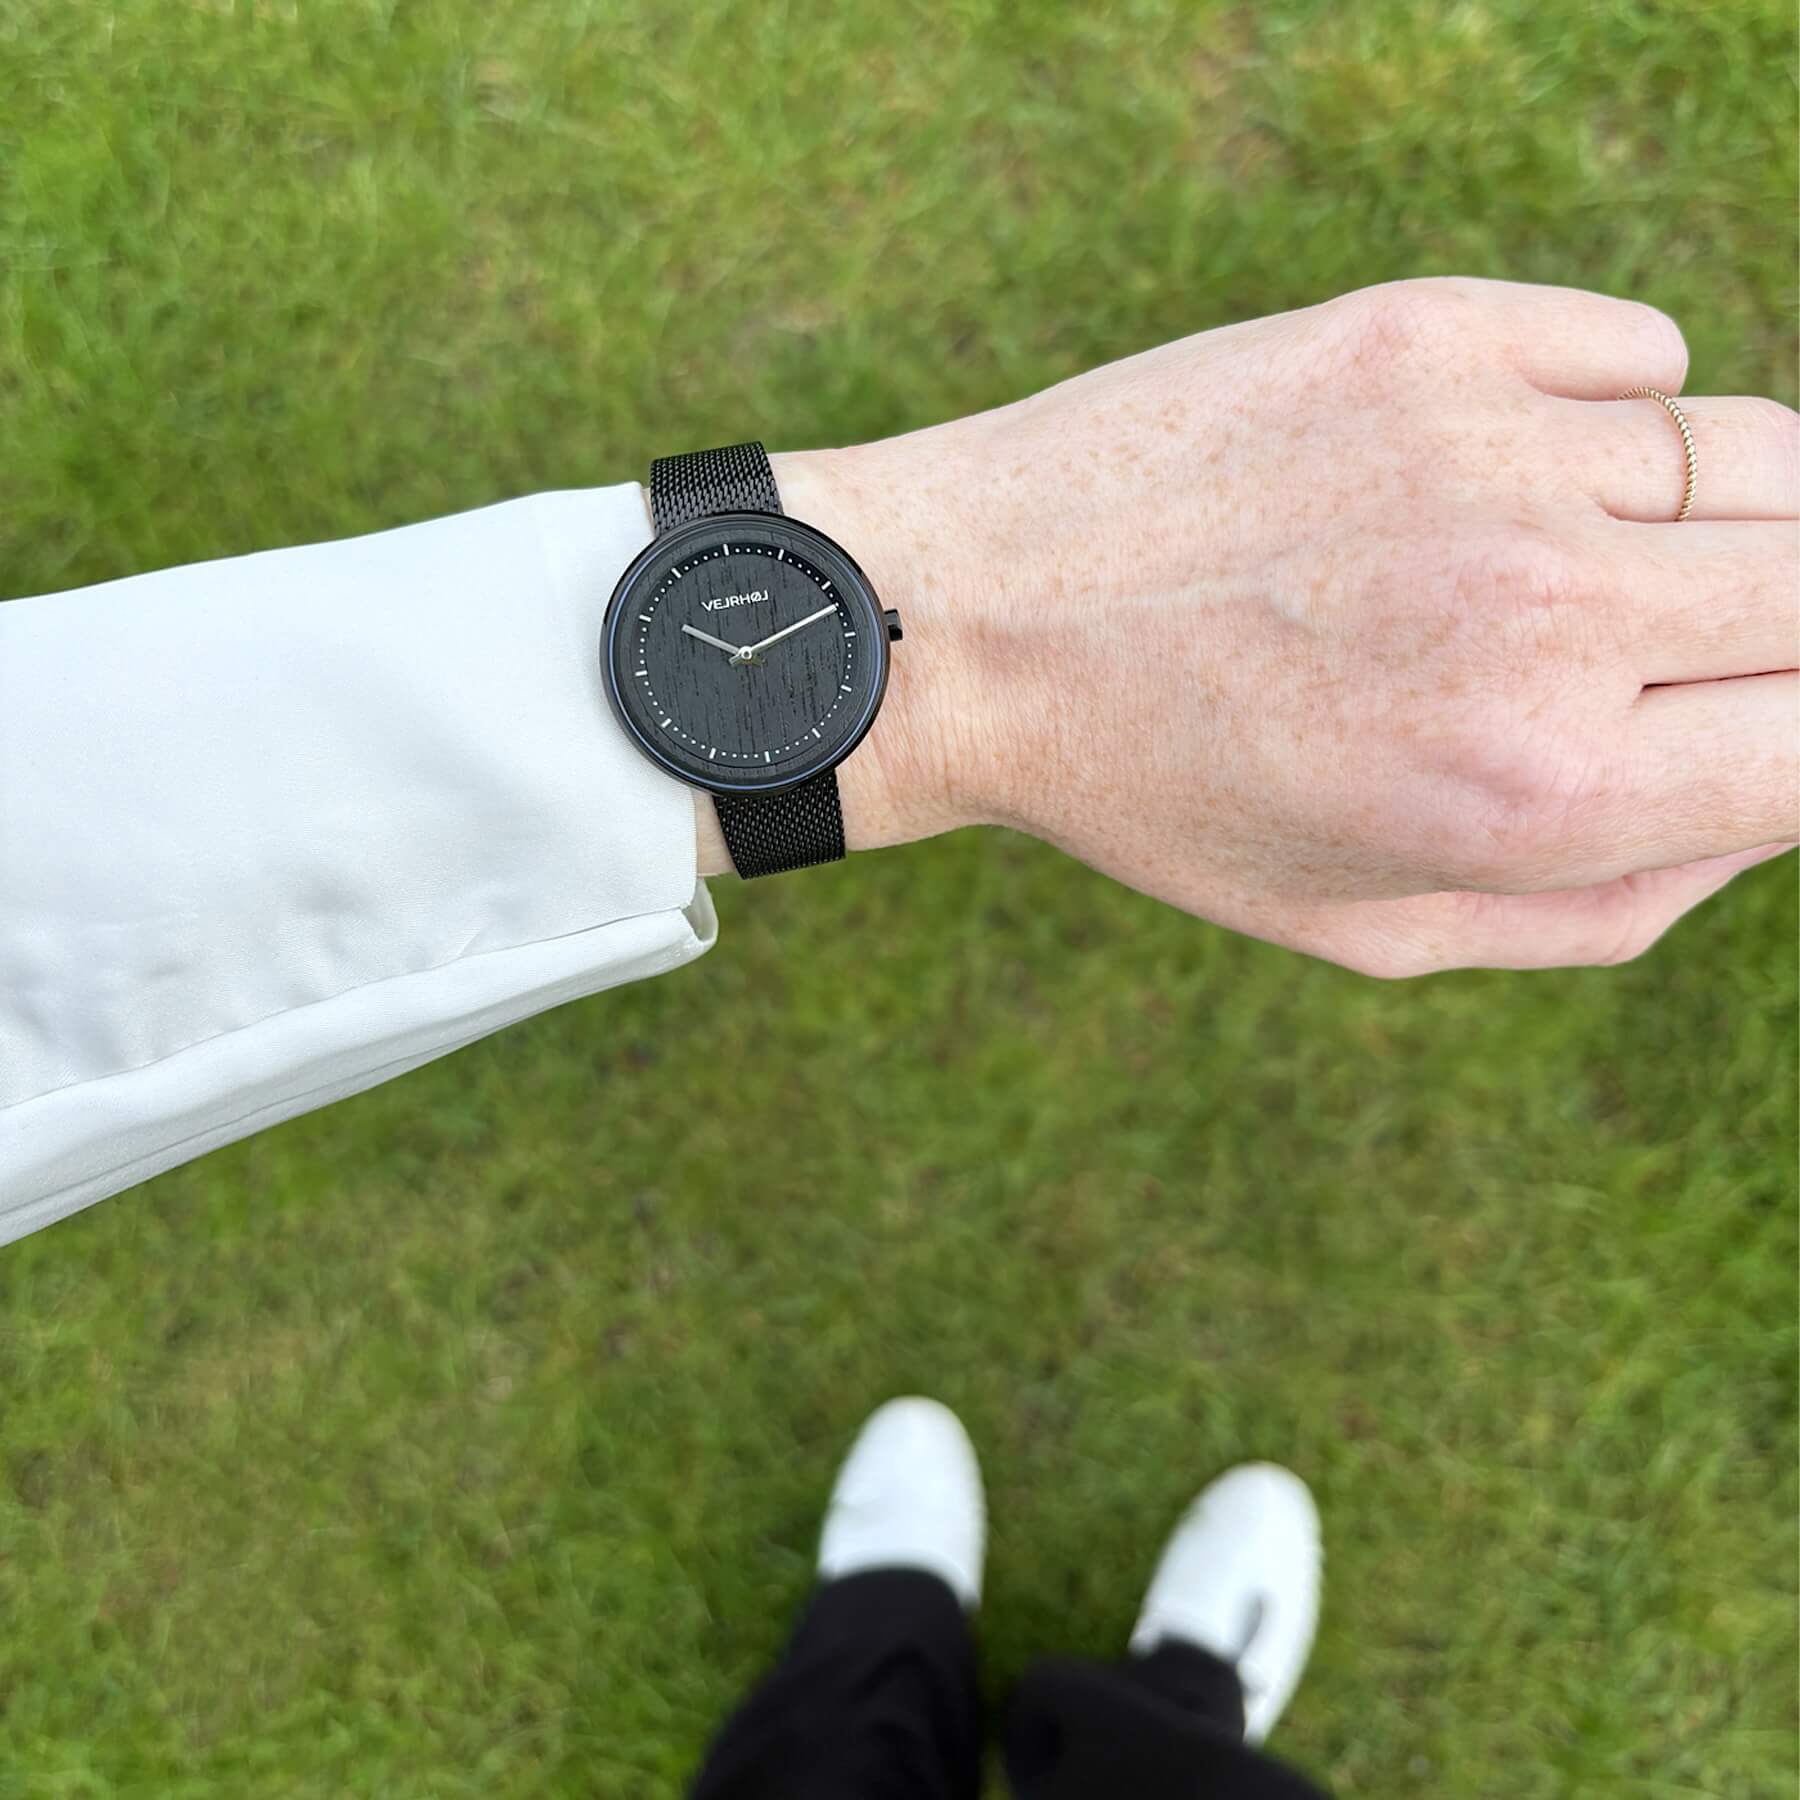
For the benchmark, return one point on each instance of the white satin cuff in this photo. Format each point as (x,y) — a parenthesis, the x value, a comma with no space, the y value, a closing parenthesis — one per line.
(276,828)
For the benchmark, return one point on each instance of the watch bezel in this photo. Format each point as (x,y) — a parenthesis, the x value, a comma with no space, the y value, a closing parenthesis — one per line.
(827,553)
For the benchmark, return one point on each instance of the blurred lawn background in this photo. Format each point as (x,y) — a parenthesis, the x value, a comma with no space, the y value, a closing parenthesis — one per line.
(469,1439)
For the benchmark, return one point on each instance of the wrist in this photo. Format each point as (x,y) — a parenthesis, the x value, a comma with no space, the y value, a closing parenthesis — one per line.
(710,855)
(922,768)
(892,788)
(931,761)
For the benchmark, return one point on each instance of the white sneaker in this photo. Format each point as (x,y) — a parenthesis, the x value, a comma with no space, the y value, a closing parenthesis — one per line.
(909,1497)
(1240,1577)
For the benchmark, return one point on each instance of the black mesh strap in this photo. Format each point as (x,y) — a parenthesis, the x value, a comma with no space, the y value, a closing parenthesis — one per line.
(767,834)
(735,479)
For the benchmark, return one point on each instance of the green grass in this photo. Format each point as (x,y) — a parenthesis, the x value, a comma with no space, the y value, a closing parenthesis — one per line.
(468,1439)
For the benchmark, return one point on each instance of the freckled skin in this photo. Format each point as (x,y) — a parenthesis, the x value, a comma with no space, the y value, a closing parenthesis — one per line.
(1361,628)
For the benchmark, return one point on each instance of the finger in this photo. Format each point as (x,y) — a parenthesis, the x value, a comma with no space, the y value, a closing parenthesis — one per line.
(1581,345)
(1581,928)
(1704,602)
(1628,455)
(1716,767)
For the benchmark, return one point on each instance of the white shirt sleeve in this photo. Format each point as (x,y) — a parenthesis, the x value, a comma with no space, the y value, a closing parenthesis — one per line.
(277,828)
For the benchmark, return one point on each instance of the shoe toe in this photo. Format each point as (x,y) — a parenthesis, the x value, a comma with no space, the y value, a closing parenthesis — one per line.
(1240,1578)
(909,1496)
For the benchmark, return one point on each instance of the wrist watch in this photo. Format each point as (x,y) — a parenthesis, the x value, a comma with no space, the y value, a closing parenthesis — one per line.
(745,653)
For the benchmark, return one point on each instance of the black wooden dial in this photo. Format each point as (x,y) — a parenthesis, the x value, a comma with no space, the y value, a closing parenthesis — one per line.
(745,652)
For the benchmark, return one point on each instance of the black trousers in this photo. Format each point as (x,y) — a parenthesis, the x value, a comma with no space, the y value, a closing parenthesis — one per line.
(876,1698)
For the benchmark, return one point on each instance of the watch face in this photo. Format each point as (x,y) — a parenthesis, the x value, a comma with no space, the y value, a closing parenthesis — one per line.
(744,652)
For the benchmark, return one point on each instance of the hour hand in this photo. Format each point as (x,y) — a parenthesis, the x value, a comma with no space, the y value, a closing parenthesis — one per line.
(706,637)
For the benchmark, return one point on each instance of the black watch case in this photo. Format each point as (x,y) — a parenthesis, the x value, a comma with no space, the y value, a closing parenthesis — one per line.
(745,652)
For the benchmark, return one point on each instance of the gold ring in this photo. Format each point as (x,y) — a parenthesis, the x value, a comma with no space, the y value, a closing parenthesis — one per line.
(1687,441)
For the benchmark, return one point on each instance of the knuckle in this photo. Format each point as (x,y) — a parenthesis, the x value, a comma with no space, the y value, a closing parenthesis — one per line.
(1530,793)
(1621,930)
(1518,740)
(1520,599)
(1398,323)
(1512,602)
(1518,569)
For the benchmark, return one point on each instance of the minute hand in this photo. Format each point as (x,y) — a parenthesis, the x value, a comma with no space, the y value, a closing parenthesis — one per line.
(786,631)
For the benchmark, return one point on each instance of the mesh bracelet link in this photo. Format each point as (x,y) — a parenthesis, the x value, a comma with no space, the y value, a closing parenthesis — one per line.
(799,827)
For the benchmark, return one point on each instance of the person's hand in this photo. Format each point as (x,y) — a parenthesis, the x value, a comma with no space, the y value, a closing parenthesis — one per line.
(1365,628)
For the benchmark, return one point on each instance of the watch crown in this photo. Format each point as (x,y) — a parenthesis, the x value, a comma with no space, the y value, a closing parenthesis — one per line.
(895,634)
